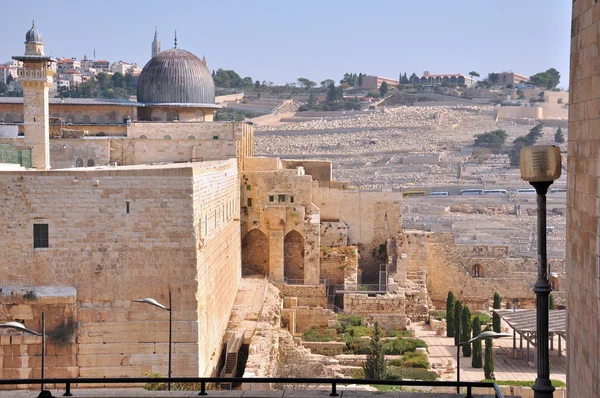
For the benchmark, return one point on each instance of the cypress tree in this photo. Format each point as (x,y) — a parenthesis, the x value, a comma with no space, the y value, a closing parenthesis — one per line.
(374,367)
(496,317)
(466,331)
(450,314)
(488,367)
(476,361)
(551,302)
(457,316)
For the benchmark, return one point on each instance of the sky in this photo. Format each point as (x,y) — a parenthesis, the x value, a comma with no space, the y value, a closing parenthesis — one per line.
(280,41)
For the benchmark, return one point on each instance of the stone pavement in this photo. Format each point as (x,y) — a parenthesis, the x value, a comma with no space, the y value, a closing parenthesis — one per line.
(136,392)
(442,350)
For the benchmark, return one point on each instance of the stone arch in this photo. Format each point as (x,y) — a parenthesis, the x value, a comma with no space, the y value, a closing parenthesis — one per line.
(453,79)
(90,163)
(9,118)
(100,119)
(167,137)
(79,162)
(143,137)
(477,270)
(293,256)
(255,253)
(71,118)
(191,137)
(86,119)
(172,114)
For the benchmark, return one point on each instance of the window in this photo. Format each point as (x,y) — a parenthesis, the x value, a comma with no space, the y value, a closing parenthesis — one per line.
(143,137)
(291,199)
(191,137)
(271,198)
(79,162)
(167,137)
(248,187)
(215,137)
(249,202)
(40,235)
(90,163)
(127,207)
(281,198)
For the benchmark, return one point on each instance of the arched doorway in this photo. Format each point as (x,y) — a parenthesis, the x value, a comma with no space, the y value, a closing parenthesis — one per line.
(255,253)
(293,257)
(477,271)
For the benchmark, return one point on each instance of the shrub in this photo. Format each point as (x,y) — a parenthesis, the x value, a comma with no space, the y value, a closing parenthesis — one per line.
(374,366)
(401,345)
(400,333)
(357,345)
(496,318)
(483,317)
(416,360)
(400,373)
(396,362)
(450,314)
(316,334)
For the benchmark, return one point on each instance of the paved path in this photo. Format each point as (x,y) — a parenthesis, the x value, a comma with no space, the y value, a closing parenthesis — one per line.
(442,350)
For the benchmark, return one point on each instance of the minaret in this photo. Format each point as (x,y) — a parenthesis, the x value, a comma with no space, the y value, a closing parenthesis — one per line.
(35,77)
(155,43)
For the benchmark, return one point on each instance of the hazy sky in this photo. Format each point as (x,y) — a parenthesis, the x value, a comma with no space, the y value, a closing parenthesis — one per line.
(282,40)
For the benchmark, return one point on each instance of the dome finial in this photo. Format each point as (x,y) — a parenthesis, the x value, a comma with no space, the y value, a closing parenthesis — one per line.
(33,23)
(175,39)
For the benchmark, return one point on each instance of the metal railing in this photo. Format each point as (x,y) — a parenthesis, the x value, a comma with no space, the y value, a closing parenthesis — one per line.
(203,381)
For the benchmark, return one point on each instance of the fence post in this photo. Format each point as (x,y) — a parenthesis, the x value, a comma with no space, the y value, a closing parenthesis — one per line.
(202,388)
(333,390)
(68,391)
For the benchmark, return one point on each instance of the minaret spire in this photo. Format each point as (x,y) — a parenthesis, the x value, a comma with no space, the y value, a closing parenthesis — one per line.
(155,43)
(175,39)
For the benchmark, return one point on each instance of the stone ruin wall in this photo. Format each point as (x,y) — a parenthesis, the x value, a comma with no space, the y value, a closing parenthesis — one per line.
(450,266)
(388,309)
(334,233)
(339,265)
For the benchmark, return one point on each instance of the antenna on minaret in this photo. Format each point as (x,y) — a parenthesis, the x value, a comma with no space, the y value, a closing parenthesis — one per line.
(175,39)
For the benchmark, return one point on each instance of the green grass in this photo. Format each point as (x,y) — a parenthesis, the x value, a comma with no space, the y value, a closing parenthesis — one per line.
(400,333)
(521,383)
(399,373)
(322,335)
(483,318)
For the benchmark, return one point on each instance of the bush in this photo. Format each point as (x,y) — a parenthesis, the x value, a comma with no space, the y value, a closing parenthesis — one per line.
(416,360)
(400,373)
(400,346)
(316,334)
(482,316)
(359,331)
(400,333)
(348,321)
(303,108)
(396,362)
(357,345)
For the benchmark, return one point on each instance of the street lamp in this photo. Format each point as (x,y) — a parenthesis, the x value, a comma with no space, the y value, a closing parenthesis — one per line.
(541,166)
(21,328)
(481,336)
(155,303)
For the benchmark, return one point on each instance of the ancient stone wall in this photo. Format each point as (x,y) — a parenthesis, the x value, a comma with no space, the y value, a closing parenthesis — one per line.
(116,235)
(65,153)
(309,317)
(182,130)
(583,165)
(334,233)
(338,264)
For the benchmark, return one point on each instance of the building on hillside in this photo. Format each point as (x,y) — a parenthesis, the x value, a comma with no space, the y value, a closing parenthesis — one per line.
(67,64)
(437,80)
(124,68)
(101,65)
(506,78)
(583,193)
(370,82)
(86,64)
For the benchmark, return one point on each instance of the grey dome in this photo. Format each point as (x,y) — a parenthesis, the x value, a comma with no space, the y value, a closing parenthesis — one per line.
(33,35)
(176,76)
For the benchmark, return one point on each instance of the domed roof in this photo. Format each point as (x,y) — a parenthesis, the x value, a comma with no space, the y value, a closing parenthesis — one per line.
(33,35)
(176,76)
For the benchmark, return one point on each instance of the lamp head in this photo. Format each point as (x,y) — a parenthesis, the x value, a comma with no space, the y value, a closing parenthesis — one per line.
(151,301)
(540,163)
(18,326)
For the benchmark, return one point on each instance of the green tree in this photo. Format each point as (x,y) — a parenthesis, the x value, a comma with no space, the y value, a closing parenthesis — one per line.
(413,77)
(548,79)
(383,89)
(325,83)
(457,320)
(360,79)
(493,139)
(530,139)
(306,83)
(473,74)
(496,317)
(450,325)
(374,366)
(334,93)
(476,362)
(466,331)
(493,78)
(405,79)
(3,88)
(559,138)
(312,101)
(488,367)
(551,302)
(118,80)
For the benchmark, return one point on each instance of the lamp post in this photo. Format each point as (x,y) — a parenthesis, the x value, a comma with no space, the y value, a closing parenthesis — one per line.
(21,328)
(155,303)
(541,166)
(479,337)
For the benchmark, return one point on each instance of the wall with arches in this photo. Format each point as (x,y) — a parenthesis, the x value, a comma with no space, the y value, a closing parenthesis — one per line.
(64,153)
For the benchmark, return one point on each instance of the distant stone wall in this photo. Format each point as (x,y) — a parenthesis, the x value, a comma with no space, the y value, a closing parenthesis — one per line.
(338,264)
(362,304)
(309,317)
(334,233)
(519,112)
(64,153)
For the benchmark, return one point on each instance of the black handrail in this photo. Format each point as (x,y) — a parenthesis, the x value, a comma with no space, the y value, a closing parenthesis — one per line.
(68,382)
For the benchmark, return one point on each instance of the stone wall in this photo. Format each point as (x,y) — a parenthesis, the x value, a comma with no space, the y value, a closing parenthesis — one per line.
(64,153)
(334,233)
(116,235)
(519,112)
(306,295)
(309,317)
(583,165)
(338,264)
